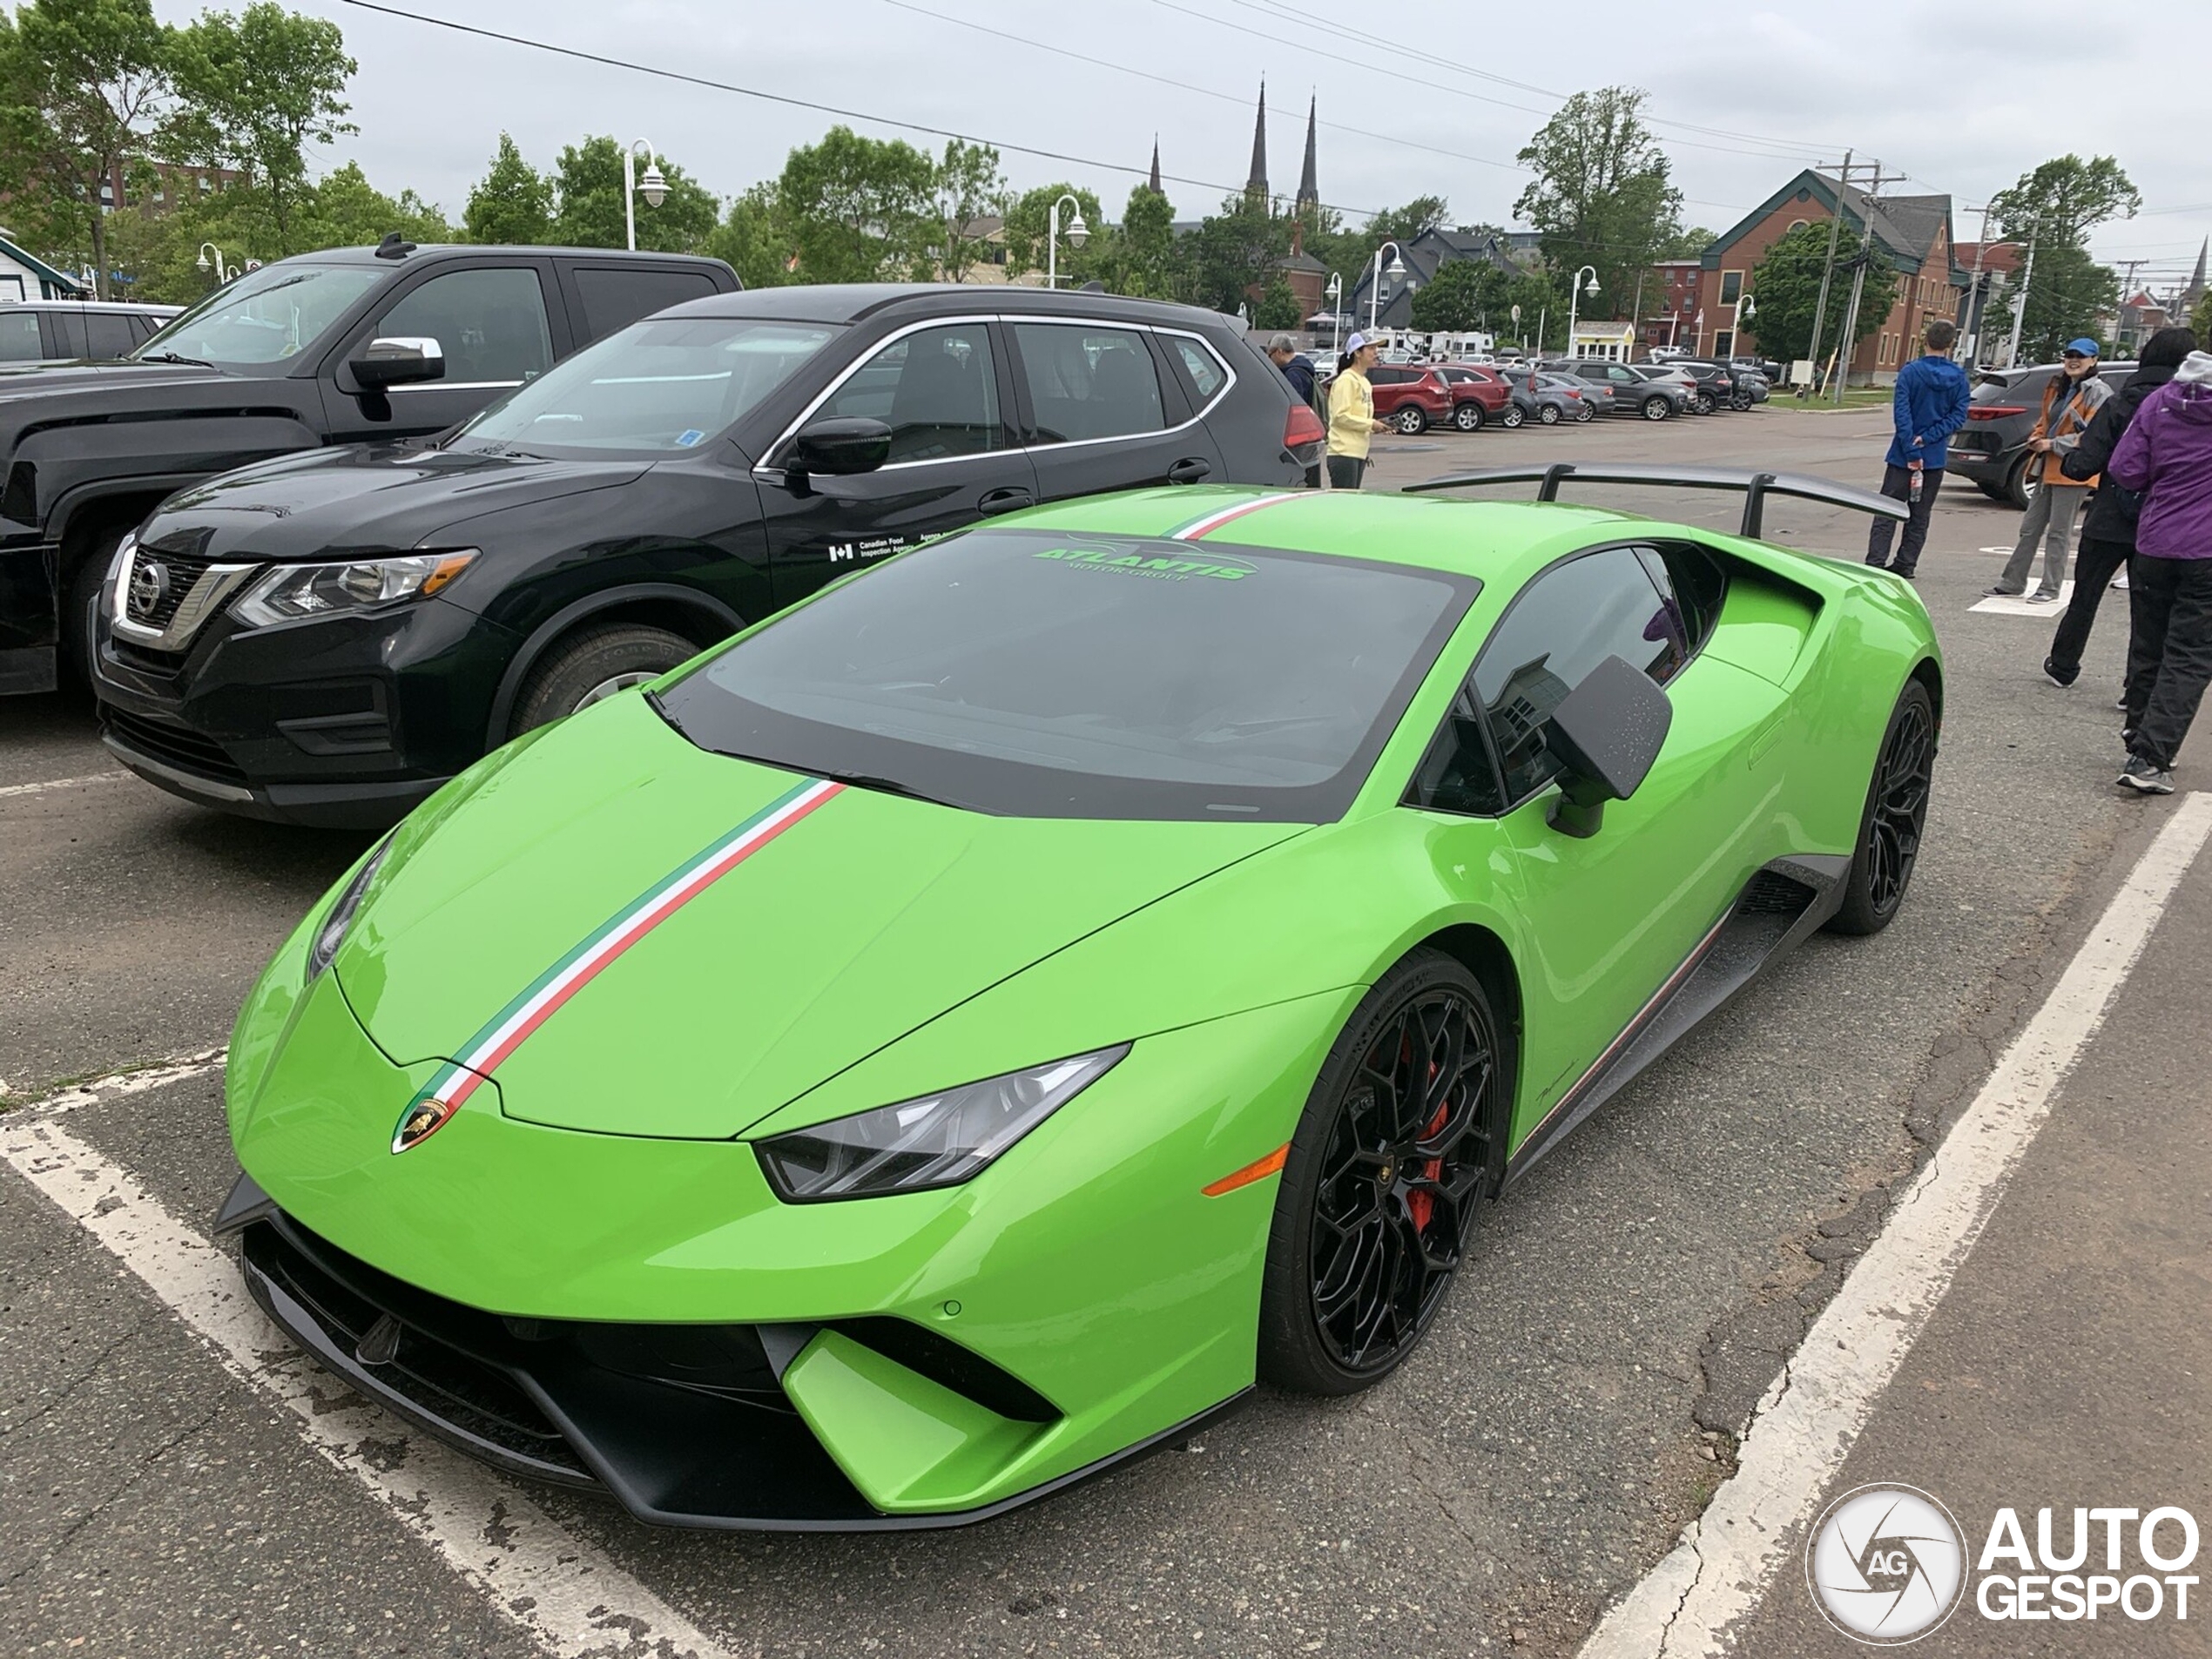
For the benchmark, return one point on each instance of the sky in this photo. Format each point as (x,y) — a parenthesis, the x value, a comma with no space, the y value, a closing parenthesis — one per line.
(1436,102)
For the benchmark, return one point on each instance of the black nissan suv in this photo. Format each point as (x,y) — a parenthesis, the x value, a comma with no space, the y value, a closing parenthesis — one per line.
(283,360)
(326,638)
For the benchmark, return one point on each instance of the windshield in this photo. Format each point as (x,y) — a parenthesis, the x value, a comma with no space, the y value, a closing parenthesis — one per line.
(1038,673)
(266,316)
(659,387)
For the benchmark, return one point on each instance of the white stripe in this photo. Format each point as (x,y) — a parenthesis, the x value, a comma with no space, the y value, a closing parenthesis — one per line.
(585,963)
(1228,513)
(61,783)
(1812,1413)
(566,1595)
(117,1084)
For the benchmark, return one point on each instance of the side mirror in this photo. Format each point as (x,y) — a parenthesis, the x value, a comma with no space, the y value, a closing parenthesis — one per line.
(400,360)
(841,444)
(1606,734)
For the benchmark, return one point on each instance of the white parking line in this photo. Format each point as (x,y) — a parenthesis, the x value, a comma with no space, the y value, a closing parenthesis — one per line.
(565,1594)
(7,790)
(117,1084)
(1812,1413)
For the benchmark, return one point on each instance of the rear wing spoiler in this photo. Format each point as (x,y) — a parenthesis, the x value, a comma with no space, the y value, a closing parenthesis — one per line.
(1755,486)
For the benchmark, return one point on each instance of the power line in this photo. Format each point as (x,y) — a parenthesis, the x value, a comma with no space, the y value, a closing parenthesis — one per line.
(806,103)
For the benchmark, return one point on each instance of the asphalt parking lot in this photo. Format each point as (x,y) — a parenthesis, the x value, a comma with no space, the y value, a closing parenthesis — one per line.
(1579,1401)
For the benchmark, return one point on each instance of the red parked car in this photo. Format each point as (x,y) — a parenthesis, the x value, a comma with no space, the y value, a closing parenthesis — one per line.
(1411,397)
(1477,394)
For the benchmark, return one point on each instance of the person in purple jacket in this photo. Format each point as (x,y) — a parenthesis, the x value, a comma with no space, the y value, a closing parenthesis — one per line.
(2166,456)
(1930,405)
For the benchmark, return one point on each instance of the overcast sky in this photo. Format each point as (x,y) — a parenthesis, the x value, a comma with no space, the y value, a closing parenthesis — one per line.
(1959,102)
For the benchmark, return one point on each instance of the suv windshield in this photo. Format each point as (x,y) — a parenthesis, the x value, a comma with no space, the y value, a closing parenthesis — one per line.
(266,316)
(1045,674)
(659,387)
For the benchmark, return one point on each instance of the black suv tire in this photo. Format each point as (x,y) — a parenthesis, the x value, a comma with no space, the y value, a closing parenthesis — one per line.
(595,664)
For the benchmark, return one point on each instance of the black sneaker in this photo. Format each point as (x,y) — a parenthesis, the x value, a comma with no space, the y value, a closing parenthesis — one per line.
(2064,682)
(2145,777)
(2003,592)
(2128,739)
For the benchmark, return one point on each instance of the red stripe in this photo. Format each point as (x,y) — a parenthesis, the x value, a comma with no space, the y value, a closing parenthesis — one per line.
(1229,517)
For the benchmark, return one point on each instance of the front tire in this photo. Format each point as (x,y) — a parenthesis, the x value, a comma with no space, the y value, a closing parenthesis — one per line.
(1891,828)
(1467,417)
(594,666)
(80,604)
(1412,419)
(1390,1162)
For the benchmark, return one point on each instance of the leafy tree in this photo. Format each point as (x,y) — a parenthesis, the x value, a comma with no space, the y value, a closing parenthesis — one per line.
(2200,320)
(344,210)
(512,203)
(751,241)
(256,90)
(1417,217)
(2066,294)
(84,87)
(588,179)
(1028,221)
(1455,300)
(1234,254)
(1602,195)
(1145,261)
(968,187)
(2060,202)
(1277,307)
(1787,283)
(1688,244)
(856,209)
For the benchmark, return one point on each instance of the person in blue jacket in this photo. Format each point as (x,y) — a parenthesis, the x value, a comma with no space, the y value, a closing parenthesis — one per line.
(1930,405)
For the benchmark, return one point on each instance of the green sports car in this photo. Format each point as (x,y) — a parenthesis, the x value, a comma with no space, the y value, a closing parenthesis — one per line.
(966,1030)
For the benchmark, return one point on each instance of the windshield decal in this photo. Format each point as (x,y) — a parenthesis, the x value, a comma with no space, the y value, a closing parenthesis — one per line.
(1127,563)
(456,1080)
(1207,523)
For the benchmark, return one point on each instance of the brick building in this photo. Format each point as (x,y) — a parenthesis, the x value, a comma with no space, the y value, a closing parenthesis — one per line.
(1912,266)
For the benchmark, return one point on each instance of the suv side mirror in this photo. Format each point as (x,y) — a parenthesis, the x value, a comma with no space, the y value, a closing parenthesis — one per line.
(399,361)
(841,444)
(1606,734)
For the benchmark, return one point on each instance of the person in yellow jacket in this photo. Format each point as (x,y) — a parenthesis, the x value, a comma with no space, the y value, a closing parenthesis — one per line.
(1351,414)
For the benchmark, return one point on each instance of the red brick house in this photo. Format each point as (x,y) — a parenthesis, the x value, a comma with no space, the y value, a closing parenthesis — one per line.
(1913,274)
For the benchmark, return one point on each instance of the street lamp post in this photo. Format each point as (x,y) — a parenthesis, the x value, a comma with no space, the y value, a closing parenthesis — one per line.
(222,273)
(1335,293)
(1375,279)
(652,187)
(1575,292)
(1746,306)
(1078,233)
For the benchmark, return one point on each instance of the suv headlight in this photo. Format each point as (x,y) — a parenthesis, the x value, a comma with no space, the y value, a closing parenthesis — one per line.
(335,927)
(290,591)
(938,1140)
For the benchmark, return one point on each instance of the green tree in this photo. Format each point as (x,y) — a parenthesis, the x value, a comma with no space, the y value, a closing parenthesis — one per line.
(1234,254)
(1602,195)
(751,241)
(1028,218)
(256,90)
(1277,307)
(1417,217)
(589,180)
(84,87)
(1458,298)
(2066,295)
(512,203)
(1145,259)
(1688,244)
(1786,283)
(968,188)
(2060,202)
(344,210)
(856,209)
(2200,320)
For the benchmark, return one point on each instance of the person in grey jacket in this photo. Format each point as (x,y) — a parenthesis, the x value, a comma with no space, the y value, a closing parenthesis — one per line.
(2070,403)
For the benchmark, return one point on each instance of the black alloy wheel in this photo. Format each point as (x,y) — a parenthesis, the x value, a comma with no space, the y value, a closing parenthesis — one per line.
(1656,409)
(1895,820)
(1702,401)
(1512,415)
(1391,1161)
(1411,420)
(1739,401)
(1467,417)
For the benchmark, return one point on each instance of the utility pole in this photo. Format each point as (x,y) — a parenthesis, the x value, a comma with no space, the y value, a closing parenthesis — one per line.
(1835,228)
(1969,346)
(2127,291)
(2020,304)
(1848,340)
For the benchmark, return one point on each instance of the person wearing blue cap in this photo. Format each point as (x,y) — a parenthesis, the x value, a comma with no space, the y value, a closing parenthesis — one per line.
(2070,403)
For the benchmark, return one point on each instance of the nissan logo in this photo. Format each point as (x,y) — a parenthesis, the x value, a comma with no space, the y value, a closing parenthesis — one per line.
(149,587)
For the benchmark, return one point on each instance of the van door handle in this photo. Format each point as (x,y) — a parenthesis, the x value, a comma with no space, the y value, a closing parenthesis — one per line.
(1005,501)
(1189,470)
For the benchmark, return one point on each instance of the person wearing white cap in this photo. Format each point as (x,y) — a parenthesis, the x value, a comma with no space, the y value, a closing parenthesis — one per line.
(1351,414)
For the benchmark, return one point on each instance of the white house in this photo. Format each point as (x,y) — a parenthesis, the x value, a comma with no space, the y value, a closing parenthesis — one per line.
(22,277)
(1614,342)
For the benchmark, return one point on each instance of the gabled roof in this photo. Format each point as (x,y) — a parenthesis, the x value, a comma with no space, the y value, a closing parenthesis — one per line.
(46,273)
(1905,228)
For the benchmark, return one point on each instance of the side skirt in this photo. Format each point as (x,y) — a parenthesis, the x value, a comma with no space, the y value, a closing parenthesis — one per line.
(1784,901)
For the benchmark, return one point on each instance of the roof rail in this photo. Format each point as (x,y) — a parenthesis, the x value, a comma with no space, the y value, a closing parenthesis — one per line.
(1756,486)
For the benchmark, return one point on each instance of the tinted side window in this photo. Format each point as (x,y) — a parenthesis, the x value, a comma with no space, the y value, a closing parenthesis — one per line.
(615,299)
(1564,624)
(69,326)
(1207,376)
(107,333)
(1089,382)
(491,324)
(937,389)
(1381,376)
(19,342)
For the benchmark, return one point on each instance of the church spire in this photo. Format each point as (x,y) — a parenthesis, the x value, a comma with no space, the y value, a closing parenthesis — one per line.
(1257,183)
(1309,191)
(2194,292)
(1154,182)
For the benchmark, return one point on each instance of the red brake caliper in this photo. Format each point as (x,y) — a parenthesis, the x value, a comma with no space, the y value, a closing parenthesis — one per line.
(1420,1205)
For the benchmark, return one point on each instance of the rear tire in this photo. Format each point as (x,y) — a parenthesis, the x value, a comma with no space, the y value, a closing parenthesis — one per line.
(1512,416)
(1656,409)
(1995,492)
(1392,1158)
(1412,419)
(1702,402)
(1584,414)
(1548,413)
(1891,826)
(596,663)
(1467,417)
(2021,483)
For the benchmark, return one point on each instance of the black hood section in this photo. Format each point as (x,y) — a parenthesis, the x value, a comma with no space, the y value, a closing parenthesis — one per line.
(124,379)
(377,498)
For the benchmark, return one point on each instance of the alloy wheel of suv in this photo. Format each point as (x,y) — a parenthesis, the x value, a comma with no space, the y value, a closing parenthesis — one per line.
(1655,408)
(1702,401)
(1410,420)
(594,666)
(1467,417)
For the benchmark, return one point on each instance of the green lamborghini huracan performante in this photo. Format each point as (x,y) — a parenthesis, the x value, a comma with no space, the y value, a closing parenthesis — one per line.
(972,1027)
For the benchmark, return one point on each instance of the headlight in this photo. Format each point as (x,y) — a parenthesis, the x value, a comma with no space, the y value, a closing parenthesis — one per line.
(293,590)
(938,1140)
(332,933)
(118,594)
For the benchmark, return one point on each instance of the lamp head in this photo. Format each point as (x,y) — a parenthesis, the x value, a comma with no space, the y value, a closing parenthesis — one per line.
(1397,266)
(202,262)
(1078,232)
(1590,288)
(653,187)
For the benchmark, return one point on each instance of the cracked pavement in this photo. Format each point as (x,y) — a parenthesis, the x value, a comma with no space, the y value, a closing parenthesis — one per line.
(1621,1314)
